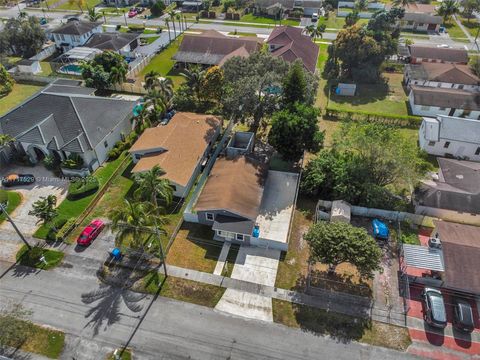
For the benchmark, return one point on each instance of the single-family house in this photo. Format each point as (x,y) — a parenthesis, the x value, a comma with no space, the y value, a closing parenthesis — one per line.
(422,53)
(440,75)
(27,66)
(213,48)
(121,3)
(65,118)
(420,17)
(457,188)
(179,148)
(290,43)
(430,101)
(346,7)
(75,33)
(279,7)
(121,43)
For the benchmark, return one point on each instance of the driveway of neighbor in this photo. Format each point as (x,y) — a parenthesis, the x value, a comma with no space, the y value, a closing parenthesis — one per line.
(46,184)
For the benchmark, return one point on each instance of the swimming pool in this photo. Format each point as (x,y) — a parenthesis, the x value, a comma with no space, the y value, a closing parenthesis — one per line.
(73,69)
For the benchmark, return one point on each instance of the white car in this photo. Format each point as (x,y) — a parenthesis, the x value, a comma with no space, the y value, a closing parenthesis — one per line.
(314,17)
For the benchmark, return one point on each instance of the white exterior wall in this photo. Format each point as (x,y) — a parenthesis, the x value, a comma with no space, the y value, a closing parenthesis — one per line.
(437,84)
(35,68)
(75,40)
(406,25)
(115,135)
(433,111)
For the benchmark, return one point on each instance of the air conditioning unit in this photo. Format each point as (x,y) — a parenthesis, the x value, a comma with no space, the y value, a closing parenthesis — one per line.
(434,243)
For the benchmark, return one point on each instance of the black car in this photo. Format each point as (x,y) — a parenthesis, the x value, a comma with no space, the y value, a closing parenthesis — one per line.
(462,315)
(435,314)
(18,179)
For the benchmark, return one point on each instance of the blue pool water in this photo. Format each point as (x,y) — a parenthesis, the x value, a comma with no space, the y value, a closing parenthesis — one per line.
(71,68)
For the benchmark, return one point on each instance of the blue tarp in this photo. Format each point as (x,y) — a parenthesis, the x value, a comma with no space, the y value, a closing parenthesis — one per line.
(380,229)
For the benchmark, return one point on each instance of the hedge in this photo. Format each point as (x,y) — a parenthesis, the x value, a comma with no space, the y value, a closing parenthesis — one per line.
(408,121)
(63,232)
(82,187)
(57,224)
(3,197)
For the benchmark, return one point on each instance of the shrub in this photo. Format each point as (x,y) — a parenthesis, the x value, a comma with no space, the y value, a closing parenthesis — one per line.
(158,8)
(49,162)
(74,161)
(53,228)
(82,187)
(3,197)
(121,146)
(63,232)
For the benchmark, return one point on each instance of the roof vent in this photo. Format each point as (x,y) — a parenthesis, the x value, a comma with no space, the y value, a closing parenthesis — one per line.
(434,243)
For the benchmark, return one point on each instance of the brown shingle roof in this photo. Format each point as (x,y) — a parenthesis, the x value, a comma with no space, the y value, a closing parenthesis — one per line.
(444,54)
(447,98)
(235,185)
(461,251)
(294,45)
(212,47)
(440,72)
(176,147)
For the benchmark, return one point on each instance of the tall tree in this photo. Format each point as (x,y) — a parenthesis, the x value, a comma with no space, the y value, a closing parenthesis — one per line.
(294,131)
(447,9)
(6,81)
(334,243)
(211,86)
(194,76)
(151,79)
(469,8)
(79,3)
(22,37)
(106,69)
(352,18)
(93,15)
(403,3)
(172,16)
(44,209)
(294,85)
(151,185)
(156,104)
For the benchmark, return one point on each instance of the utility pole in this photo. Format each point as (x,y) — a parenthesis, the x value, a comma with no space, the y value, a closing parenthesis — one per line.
(162,254)
(9,219)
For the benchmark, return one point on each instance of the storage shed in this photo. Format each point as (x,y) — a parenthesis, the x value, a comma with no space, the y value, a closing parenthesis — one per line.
(27,66)
(346,89)
(340,211)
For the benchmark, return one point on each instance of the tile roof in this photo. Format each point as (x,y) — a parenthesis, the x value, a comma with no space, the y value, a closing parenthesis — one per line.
(212,47)
(441,72)
(235,185)
(294,45)
(65,117)
(439,53)
(76,27)
(447,98)
(423,18)
(110,41)
(176,147)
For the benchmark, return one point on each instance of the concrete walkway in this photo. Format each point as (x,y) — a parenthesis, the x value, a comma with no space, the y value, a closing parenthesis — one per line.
(222,258)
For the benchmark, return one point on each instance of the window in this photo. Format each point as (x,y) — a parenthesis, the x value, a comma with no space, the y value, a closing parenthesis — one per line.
(420,24)
(447,144)
(460,87)
(239,237)
(105,143)
(442,109)
(431,143)
(477,152)
(210,216)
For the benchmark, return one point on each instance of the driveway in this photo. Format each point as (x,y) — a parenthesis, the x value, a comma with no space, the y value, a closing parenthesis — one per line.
(46,183)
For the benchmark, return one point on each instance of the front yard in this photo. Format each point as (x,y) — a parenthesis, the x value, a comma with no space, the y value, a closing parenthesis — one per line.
(341,327)
(19,93)
(267,20)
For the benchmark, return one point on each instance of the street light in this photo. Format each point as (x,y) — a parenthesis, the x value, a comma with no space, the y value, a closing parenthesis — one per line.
(3,208)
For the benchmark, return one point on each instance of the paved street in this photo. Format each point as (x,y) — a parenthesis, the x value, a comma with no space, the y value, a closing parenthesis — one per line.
(170,330)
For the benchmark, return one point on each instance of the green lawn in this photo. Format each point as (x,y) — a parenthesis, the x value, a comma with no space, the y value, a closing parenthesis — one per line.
(386,98)
(322,56)
(266,20)
(19,93)
(46,68)
(340,327)
(151,39)
(41,340)
(126,355)
(74,6)
(163,63)
(471,25)
(239,33)
(334,22)
(14,199)
(454,30)
(73,208)
(32,257)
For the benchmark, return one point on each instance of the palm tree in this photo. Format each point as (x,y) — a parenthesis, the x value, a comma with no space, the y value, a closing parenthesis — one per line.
(447,9)
(172,14)
(194,76)
(167,22)
(132,222)
(151,185)
(165,86)
(118,74)
(403,3)
(151,79)
(79,3)
(179,20)
(156,104)
(361,5)
(93,15)
(315,31)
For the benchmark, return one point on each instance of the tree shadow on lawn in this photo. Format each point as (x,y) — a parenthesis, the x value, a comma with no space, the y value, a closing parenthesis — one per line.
(366,93)
(343,283)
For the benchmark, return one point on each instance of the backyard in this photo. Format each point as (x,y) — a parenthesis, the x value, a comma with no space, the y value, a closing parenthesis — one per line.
(19,93)
(163,64)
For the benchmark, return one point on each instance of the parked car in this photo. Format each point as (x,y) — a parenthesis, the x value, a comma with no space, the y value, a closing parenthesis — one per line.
(139,10)
(132,13)
(18,179)
(462,315)
(90,232)
(314,17)
(380,229)
(435,314)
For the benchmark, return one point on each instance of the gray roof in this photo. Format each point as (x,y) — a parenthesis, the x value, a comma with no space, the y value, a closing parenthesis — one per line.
(70,120)
(266,3)
(110,41)
(423,18)
(233,224)
(26,62)
(433,52)
(423,257)
(76,27)
(63,89)
(447,98)
(458,187)
(70,82)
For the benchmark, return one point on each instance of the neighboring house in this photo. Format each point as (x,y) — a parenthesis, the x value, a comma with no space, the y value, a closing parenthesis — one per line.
(276,7)
(439,75)
(457,187)
(26,66)
(64,119)
(75,33)
(121,3)
(346,7)
(179,148)
(121,43)
(428,101)
(420,17)
(423,53)
(213,48)
(451,136)
(291,44)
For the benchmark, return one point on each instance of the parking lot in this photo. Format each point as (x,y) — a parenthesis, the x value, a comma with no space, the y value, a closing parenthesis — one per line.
(46,183)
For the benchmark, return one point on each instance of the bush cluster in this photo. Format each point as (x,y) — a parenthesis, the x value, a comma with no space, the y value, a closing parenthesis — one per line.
(63,232)
(3,197)
(81,187)
(56,224)
(121,146)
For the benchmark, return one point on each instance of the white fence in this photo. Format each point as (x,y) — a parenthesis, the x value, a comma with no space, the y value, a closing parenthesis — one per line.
(448,215)
(268,244)
(45,53)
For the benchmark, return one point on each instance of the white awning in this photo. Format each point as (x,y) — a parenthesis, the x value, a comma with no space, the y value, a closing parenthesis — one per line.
(423,257)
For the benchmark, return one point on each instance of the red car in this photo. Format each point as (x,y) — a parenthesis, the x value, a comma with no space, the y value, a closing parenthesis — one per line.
(90,232)
(132,13)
